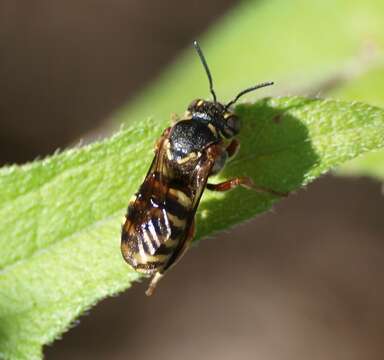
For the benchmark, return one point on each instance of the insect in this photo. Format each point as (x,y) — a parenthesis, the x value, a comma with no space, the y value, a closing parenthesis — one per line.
(160,224)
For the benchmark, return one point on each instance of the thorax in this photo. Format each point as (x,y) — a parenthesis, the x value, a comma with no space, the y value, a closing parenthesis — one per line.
(189,138)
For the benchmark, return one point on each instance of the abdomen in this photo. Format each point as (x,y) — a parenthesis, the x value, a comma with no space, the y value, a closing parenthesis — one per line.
(154,231)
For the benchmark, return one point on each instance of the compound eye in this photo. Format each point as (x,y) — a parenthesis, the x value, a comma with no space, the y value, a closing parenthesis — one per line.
(233,124)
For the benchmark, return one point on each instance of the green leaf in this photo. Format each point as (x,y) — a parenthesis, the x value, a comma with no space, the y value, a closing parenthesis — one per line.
(369,87)
(60,217)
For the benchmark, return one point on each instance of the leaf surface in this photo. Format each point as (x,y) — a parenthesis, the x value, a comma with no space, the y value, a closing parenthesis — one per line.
(60,217)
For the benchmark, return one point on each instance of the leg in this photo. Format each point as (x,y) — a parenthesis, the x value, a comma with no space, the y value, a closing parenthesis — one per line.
(233,148)
(245,182)
(152,285)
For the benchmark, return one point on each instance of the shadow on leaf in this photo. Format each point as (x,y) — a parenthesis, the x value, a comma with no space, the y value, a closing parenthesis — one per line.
(275,152)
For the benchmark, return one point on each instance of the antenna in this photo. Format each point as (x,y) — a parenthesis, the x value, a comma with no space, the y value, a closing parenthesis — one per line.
(204,62)
(253,88)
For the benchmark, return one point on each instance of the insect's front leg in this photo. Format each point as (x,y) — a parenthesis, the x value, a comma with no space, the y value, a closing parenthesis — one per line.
(245,182)
(233,148)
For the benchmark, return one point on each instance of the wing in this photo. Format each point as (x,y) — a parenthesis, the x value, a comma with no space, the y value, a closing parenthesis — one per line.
(146,227)
(160,219)
(199,178)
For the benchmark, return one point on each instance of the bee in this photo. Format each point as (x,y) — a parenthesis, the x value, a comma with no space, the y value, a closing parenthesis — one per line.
(160,221)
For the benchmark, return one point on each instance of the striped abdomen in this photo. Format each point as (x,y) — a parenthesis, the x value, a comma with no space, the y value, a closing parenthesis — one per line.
(156,226)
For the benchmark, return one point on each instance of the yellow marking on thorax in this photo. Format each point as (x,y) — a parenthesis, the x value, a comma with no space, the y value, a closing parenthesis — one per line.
(190,156)
(200,102)
(227,115)
(181,197)
(213,129)
(167,146)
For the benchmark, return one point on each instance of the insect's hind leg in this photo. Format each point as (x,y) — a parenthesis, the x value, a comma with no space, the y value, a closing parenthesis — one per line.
(153,283)
(245,182)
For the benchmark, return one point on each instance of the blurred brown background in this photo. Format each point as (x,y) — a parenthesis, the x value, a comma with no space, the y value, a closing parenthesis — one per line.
(66,65)
(308,287)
